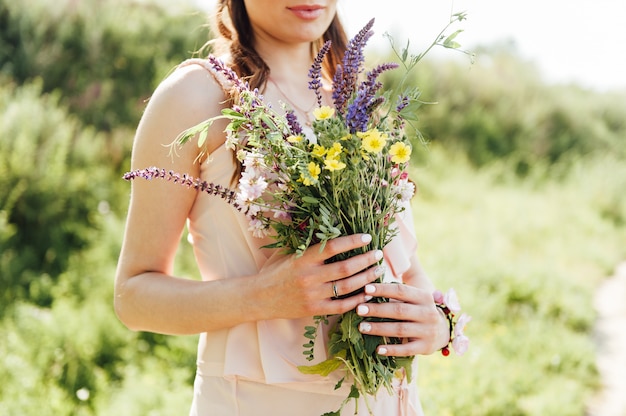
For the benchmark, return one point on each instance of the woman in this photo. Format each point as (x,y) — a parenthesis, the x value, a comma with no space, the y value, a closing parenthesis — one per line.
(252,303)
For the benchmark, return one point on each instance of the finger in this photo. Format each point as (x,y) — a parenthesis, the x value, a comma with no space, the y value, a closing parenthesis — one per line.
(339,245)
(340,306)
(399,329)
(400,292)
(343,269)
(407,349)
(420,338)
(348,286)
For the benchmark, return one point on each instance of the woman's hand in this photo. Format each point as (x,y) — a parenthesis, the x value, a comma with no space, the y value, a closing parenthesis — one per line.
(295,287)
(416,319)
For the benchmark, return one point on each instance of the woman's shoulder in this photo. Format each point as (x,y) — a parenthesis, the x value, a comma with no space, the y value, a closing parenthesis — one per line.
(192,82)
(187,96)
(208,67)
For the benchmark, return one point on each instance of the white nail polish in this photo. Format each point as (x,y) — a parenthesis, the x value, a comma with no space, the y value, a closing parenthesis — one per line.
(365,327)
(379,254)
(369,289)
(366,238)
(382,351)
(362,310)
(368,298)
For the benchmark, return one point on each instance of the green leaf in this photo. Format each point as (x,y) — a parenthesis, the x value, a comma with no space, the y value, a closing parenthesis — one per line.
(202,137)
(450,43)
(354,392)
(407,364)
(310,200)
(371,343)
(232,114)
(339,383)
(324,368)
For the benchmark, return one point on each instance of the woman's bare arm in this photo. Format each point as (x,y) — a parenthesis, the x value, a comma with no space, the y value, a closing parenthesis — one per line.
(149,298)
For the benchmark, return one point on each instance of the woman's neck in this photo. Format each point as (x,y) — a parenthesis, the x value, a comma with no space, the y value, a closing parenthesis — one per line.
(287,62)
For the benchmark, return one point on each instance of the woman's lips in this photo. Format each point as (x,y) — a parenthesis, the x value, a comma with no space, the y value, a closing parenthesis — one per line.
(307,11)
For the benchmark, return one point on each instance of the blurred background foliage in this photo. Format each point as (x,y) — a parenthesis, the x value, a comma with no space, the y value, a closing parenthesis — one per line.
(521,208)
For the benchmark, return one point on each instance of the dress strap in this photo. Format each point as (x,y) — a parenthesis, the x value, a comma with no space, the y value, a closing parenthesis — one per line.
(219,78)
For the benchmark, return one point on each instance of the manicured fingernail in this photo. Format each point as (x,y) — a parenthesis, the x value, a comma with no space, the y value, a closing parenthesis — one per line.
(365,327)
(366,238)
(378,254)
(362,310)
(382,351)
(368,298)
(380,270)
(370,289)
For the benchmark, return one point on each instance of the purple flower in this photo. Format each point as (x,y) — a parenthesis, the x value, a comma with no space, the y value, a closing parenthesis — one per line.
(345,78)
(356,116)
(403,101)
(366,100)
(230,75)
(315,73)
(198,184)
(292,121)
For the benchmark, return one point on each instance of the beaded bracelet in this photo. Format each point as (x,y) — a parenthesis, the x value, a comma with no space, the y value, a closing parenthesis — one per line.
(449,305)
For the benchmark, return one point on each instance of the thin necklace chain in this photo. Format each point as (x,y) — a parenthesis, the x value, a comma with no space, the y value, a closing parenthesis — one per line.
(302,111)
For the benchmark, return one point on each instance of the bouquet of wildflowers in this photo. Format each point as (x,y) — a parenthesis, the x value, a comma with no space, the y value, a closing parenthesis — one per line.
(349,177)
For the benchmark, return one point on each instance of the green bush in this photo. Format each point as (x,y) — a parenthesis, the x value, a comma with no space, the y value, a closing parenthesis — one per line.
(499,107)
(105,57)
(52,172)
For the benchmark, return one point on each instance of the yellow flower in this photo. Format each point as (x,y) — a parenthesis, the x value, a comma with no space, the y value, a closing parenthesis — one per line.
(323,112)
(401,152)
(318,150)
(334,152)
(333,164)
(373,140)
(313,173)
(314,170)
(295,139)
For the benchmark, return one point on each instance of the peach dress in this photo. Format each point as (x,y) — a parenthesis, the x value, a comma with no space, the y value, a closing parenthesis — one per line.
(251,369)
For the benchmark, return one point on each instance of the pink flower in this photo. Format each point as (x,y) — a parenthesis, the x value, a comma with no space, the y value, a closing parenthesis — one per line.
(282,214)
(258,228)
(251,187)
(460,324)
(249,207)
(254,164)
(460,343)
(451,300)
(438,297)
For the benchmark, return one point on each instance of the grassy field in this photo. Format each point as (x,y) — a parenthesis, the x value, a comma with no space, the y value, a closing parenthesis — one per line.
(525,256)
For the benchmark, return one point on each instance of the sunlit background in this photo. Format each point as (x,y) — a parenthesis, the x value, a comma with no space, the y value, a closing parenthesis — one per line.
(571,41)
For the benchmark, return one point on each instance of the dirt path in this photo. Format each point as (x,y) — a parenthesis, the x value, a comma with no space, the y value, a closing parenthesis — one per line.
(610,337)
